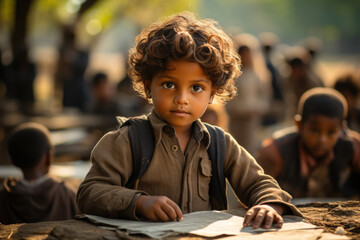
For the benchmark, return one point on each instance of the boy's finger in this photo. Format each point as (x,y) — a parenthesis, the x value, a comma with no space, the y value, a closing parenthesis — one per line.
(250,215)
(169,211)
(279,220)
(260,216)
(269,220)
(177,210)
(161,215)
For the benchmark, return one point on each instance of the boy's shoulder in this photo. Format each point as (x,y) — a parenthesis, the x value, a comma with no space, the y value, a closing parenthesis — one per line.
(285,133)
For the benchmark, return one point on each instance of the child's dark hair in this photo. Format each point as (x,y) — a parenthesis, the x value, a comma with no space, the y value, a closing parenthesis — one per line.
(322,101)
(347,83)
(183,37)
(27,144)
(98,78)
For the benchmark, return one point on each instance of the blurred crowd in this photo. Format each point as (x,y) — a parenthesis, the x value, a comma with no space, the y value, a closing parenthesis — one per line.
(274,76)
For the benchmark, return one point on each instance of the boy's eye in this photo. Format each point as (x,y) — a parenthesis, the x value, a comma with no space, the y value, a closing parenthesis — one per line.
(168,85)
(197,88)
(314,130)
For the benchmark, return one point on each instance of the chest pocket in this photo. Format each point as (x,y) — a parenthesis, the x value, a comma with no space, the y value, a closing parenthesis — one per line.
(204,177)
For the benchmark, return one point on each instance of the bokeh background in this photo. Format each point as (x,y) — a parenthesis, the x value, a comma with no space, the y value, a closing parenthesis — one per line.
(51,50)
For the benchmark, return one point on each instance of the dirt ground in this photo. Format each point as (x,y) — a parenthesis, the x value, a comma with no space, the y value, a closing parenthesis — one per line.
(332,216)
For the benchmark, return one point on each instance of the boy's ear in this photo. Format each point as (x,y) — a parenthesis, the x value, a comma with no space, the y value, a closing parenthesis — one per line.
(298,122)
(211,99)
(343,124)
(49,157)
(147,88)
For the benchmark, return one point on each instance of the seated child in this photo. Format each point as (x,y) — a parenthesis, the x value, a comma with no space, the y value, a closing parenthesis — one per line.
(180,65)
(320,157)
(36,197)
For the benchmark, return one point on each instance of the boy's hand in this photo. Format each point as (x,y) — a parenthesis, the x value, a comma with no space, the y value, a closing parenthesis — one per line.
(158,208)
(265,213)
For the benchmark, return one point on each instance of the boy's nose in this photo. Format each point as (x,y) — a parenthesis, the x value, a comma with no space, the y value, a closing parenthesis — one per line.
(181,98)
(323,138)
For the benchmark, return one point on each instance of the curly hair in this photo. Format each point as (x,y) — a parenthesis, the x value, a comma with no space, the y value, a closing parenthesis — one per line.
(184,37)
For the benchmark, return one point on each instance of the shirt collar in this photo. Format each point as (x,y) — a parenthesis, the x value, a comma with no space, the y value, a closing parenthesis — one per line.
(307,163)
(200,133)
(35,182)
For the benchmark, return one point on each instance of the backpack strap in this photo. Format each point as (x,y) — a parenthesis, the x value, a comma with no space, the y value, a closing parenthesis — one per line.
(141,137)
(216,152)
(142,140)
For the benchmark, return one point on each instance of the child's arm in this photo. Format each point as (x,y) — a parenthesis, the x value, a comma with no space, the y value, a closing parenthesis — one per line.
(158,208)
(102,192)
(266,214)
(254,188)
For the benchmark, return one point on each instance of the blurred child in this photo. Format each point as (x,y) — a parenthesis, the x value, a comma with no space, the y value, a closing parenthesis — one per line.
(103,102)
(349,87)
(180,65)
(36,197)
(320,156)
(216,114)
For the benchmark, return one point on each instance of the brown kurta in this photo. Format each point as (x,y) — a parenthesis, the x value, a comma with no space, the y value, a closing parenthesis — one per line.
(183,177)
(45,199)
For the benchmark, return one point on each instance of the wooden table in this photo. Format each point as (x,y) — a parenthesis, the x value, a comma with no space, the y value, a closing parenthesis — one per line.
(329,216)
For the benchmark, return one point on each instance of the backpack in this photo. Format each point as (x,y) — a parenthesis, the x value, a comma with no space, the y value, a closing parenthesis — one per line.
(141,137)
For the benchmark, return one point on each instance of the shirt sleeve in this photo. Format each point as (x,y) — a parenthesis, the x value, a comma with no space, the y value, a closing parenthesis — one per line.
(269,158)
(250,183)
(102,192)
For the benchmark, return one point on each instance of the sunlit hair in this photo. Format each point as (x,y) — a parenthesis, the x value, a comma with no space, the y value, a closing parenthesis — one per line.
(322,101)
(184,37)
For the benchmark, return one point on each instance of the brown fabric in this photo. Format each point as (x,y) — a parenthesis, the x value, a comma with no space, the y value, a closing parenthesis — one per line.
(49,200)
(184,178)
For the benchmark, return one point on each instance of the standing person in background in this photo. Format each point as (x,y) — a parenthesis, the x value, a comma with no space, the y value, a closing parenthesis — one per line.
(276,112)
(348,86)
(298,79)
(70,86)
(313,46)
(36,197)
(247,109)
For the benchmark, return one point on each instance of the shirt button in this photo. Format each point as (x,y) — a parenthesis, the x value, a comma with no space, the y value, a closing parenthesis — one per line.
(174,148)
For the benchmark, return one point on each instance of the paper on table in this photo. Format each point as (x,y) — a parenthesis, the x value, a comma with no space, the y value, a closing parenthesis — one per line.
(202,223)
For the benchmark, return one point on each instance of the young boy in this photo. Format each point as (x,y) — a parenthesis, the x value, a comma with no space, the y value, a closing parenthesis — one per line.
(180,65)
(36,197)
(320,158)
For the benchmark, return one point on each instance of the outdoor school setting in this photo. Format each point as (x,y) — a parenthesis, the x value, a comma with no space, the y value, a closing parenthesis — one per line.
(183,119)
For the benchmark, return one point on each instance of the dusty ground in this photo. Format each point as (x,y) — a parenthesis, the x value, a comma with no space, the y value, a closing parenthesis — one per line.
(330,216)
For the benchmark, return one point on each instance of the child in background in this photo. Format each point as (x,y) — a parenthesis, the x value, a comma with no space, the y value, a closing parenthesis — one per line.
(36,197)
(103,102)
(319,158)
(180,64)
(348,86)
(216,114)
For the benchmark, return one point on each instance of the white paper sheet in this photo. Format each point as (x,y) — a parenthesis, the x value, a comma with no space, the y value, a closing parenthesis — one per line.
(202,223)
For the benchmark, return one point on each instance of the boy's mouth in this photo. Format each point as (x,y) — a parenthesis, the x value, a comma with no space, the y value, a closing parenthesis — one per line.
(180,112)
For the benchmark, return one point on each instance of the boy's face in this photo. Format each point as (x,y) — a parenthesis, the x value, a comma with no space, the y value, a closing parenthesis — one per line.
(319,134)
(181,93)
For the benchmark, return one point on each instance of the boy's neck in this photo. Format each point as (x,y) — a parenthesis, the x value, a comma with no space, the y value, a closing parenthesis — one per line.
(33,174)
(183,136)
